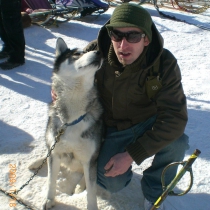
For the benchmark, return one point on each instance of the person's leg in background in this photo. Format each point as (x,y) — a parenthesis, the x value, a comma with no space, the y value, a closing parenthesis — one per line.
(4,53)
(12,33)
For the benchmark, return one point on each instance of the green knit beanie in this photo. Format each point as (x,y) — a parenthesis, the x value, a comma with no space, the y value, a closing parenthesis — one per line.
(131,15)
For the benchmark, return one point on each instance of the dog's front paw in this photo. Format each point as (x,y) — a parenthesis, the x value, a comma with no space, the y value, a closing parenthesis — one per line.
(90,207)
(48,204)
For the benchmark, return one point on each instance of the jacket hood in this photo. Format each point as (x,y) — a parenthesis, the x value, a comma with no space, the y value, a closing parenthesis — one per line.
(154,51)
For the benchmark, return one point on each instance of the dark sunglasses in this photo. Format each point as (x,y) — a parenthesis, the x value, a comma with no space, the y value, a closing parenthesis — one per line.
(132,36)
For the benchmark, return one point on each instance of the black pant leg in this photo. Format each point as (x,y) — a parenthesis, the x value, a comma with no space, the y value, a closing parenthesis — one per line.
(12,26)
(6,46)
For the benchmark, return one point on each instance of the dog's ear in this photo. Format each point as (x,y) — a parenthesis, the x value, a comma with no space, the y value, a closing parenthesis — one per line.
(60,47)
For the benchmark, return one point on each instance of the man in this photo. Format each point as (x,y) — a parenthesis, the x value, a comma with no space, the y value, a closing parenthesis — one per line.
(11,33)
(138,125)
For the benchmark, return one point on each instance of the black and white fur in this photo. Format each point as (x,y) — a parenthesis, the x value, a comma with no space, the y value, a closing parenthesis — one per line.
(78,148)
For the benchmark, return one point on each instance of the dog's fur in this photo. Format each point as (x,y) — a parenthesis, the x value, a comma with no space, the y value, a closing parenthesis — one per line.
(78,147)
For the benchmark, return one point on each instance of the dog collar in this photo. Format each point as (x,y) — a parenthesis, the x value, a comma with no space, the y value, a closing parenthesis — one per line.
(76,121)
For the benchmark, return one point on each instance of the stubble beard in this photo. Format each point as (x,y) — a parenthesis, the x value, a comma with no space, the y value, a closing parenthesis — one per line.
(123,62)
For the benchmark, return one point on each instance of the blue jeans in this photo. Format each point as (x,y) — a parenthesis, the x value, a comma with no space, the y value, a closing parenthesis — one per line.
(116,141)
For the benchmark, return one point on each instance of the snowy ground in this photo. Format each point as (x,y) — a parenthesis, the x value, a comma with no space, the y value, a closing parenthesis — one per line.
(25,93)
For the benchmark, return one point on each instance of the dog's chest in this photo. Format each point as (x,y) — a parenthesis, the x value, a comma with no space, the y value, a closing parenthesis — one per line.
(72,141)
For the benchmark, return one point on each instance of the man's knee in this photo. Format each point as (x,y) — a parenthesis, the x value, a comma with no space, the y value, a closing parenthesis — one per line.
(185,141)
(115,184)
(176,150)
(181,145)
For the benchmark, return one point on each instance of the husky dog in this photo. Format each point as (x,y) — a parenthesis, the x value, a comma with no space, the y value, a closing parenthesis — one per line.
(78,112)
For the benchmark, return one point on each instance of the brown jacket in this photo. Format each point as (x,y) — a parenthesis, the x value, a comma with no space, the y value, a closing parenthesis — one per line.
(125,99)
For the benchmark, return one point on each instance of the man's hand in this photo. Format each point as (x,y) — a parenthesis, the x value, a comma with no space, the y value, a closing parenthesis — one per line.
(118,164)
(53,95)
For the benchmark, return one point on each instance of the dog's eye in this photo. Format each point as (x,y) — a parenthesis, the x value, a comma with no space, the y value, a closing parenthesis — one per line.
(77,54)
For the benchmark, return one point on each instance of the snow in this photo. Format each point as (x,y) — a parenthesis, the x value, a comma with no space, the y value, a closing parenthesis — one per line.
(25,94)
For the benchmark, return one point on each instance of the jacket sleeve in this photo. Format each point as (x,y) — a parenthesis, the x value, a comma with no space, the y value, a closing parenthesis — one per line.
(171,113)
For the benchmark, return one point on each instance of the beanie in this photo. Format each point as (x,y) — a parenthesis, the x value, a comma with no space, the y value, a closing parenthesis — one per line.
(131,15)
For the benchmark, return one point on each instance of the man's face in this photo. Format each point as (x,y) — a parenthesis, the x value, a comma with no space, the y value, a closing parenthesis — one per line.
(127,52)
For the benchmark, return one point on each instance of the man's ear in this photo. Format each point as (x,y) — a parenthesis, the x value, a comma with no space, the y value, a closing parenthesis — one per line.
(146,41)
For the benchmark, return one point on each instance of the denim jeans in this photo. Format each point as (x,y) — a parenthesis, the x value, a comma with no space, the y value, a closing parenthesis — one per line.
(116,141)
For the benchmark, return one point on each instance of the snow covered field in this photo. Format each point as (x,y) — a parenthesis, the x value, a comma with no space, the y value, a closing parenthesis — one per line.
(25,94)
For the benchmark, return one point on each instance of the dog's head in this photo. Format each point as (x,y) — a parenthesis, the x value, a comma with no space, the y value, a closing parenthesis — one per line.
(75,62)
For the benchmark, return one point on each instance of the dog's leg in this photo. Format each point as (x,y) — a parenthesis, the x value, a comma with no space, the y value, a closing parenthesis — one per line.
(81,185)
(90,179)
(72,180)
(53,170)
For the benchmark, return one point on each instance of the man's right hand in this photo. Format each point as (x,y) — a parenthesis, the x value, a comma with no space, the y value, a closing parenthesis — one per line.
(53,95)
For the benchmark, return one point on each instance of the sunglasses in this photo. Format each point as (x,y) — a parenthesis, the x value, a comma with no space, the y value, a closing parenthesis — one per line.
(131,37)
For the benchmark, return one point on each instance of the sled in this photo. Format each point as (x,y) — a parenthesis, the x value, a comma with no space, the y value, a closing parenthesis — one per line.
(48,12)
(191,6)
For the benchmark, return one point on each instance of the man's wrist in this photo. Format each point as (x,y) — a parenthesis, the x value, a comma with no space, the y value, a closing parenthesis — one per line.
(128,157)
